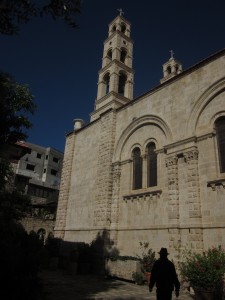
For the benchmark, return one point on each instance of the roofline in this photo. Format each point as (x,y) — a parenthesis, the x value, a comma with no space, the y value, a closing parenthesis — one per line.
(121,17)
(158,87)
(28,144)
(177,77)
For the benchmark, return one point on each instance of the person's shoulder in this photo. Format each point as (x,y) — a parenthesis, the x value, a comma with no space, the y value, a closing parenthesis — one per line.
(171,264)
(156,263)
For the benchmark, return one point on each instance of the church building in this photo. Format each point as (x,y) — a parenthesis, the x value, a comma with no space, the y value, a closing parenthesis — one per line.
(151,168)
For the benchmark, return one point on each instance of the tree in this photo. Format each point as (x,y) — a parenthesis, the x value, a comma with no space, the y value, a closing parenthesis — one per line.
(16,104)
(16,12)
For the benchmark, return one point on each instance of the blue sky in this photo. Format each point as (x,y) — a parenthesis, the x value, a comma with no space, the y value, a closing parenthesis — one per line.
(61,64)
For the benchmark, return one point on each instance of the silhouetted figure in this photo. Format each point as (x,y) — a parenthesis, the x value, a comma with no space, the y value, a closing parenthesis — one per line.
(165,277)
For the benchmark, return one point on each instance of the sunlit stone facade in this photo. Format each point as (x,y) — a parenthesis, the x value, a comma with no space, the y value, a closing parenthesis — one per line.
(173,133)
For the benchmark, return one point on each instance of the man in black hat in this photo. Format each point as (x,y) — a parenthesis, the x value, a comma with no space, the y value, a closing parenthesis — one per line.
(165,276)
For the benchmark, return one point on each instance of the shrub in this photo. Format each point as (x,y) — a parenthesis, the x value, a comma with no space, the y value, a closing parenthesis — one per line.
(138,277)
(147,257)
(203,271)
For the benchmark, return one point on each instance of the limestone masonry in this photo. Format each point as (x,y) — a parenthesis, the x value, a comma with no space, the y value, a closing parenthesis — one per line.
(151,168)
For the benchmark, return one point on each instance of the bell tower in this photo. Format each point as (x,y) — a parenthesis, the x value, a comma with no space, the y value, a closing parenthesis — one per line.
(171,68)
(115,82)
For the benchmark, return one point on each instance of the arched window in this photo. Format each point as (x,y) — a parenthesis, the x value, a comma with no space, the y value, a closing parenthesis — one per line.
(106,80)
(122,82)
(137,169)
(123,28)
(220,134)
(123,55)
(114,28)
(151,165)
(109,53)
(169,69)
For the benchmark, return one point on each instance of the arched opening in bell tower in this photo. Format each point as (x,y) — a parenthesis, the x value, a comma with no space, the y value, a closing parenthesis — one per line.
(123,55)
(122,83)
(169,70)
(109,54)
(106,81)
(123,28)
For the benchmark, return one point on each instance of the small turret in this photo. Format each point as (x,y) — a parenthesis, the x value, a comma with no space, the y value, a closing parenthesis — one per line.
(171,68)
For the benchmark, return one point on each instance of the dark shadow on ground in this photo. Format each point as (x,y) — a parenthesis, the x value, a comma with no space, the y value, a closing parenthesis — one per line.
(75,270)
(59,286)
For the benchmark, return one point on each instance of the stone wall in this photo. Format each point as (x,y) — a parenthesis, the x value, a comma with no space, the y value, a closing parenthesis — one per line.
(33,224)
(122,269)
(186,208)
(65,187)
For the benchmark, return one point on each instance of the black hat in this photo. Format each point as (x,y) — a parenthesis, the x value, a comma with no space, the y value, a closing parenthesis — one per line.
(163,251)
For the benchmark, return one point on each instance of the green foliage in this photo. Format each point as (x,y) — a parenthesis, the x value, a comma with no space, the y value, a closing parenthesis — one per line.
(138,277)
(147,257)
(13,205)
(6,173)
(115,257)
(16,12)
(203,270)
(16,104)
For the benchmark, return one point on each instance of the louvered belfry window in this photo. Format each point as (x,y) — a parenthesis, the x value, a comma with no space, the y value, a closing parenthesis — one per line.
(220,134)
(137,169)
(151,165)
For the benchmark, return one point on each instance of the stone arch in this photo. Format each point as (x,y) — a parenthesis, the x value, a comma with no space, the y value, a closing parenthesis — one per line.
(135,125)
(122,83)
(123,27)
(169,70)
(214,90)
(106,81)
(136,145)
(150,140)
(109,53)
(215,117)
(123,55)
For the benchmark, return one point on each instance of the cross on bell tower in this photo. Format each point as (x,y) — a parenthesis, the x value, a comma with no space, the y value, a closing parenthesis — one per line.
(120,11)
(115,82)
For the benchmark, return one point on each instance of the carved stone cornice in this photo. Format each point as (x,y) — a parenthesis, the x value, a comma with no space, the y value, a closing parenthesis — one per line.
(191,155)
(172,160)
(143,196)
(216,184)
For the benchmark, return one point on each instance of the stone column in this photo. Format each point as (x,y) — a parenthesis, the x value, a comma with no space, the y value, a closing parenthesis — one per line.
(173,189)
(191,158)
(101,89)
(114,82)
(104,182)
(115,202)
(173,205)
(144,171)
(195,237)
(129,87)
